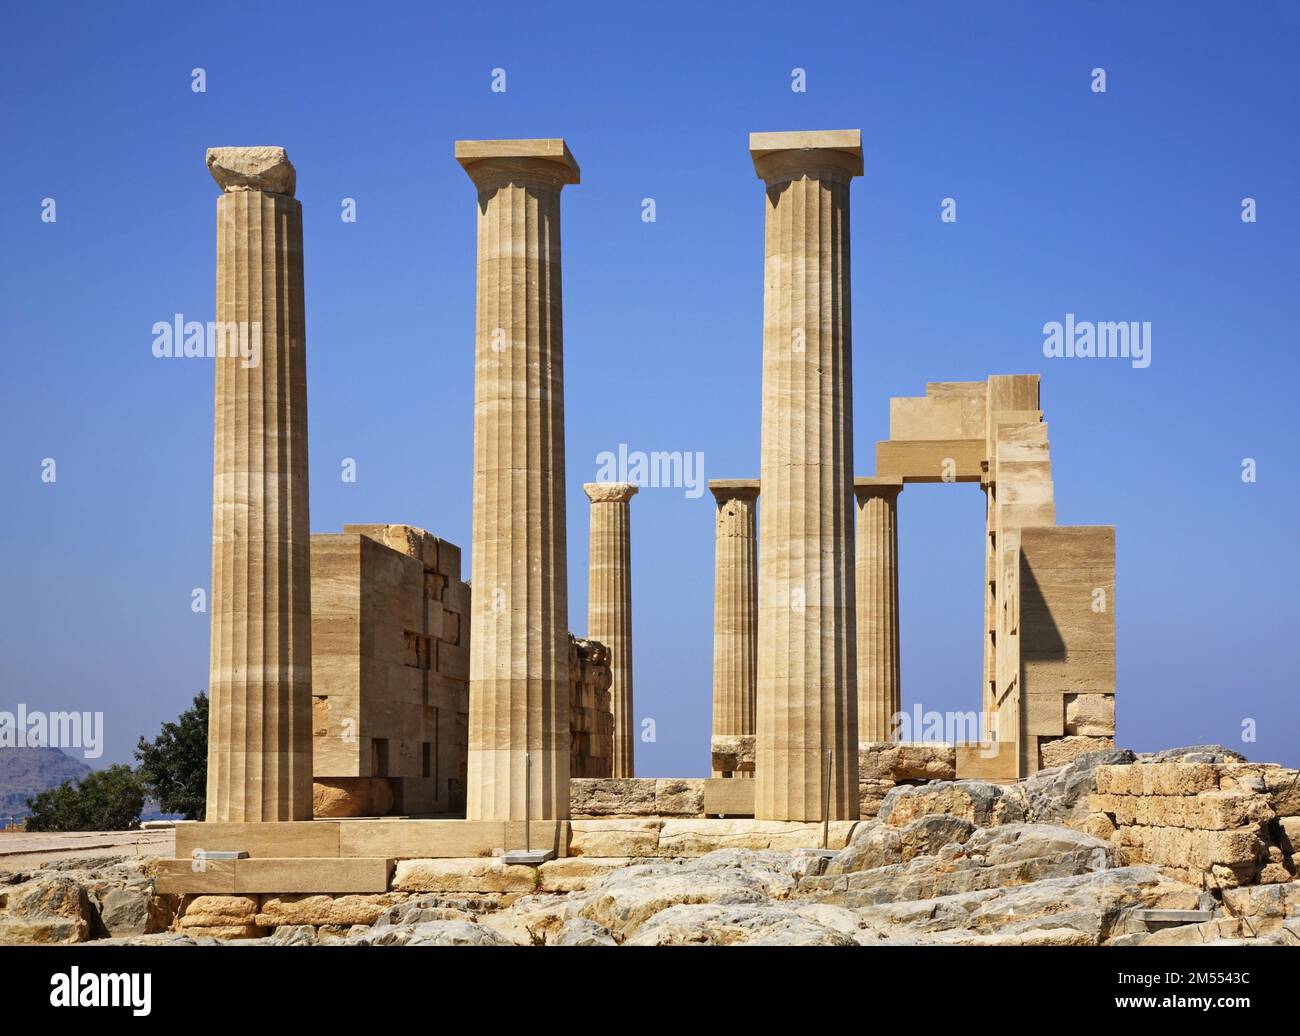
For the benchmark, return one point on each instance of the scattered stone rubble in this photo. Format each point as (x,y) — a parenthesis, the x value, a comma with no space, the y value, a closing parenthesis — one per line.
(1195,846)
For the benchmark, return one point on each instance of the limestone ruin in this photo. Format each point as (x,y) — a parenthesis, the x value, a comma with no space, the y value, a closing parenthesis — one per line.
(469,762)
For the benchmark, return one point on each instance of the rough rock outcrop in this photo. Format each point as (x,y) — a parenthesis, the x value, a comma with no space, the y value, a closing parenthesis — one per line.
(74,900)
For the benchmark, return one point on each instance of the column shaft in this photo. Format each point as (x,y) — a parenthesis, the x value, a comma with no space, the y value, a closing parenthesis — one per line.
(519,630)
(735,610)
(259,737)
(806,685)
(609,605)
(877,589)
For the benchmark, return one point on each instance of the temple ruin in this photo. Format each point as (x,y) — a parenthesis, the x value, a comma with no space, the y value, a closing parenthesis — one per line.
(372,710)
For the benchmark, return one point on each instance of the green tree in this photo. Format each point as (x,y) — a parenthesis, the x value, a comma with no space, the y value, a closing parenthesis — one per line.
(174,766)
(106,800)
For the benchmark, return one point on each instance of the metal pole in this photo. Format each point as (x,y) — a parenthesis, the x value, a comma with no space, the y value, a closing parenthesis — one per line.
(826,803)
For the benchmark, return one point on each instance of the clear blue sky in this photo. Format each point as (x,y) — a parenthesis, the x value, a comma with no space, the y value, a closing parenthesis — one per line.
(1117,206)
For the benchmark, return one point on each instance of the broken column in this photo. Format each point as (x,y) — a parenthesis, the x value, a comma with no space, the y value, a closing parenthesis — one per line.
(259,731)
(735,625)
(877,593)
(519,622)
(609,604)
(807,676)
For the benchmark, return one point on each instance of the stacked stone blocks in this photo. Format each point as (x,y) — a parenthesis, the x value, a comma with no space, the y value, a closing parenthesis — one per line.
(390,667)
(1214,825)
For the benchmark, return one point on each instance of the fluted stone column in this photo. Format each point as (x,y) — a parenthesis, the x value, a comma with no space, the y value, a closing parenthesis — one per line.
(807,670)
(609,605)
(519,610)
(259,730)
(877,588)
(735,609)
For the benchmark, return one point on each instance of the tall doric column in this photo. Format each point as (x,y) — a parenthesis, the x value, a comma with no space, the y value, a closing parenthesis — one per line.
(735,608)
(877,579)
(807,669)
(609,604)
(519,610)
(259,730)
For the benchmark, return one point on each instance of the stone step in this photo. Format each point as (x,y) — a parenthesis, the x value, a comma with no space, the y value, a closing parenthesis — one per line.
(1158,919)
(276,876)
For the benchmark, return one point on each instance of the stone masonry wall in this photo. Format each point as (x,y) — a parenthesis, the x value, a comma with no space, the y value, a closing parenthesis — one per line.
(1214,825)
(390,670)
(883,765)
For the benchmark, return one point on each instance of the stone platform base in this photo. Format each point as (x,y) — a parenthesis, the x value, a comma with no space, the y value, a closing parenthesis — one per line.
(376,856)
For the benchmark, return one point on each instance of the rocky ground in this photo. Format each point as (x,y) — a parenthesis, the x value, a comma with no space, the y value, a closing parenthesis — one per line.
(950,862)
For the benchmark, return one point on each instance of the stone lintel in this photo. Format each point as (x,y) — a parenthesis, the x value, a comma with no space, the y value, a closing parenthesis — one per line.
(877,485)
(734,488)
(549,156)
(784,155)
(609,492)
(252,169)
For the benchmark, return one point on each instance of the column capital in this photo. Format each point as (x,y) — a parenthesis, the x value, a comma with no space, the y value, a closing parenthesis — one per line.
(252,169)
(734,488)
(820,154)
(867,486)
(544,162)
(609,492)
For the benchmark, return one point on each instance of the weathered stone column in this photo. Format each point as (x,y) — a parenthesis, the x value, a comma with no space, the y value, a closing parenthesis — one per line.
(877,588)
(807,670)
(519,609)
(259,730)
(735,613)
(609,605)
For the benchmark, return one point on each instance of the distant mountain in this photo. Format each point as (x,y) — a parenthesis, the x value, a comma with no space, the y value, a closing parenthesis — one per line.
(24,772)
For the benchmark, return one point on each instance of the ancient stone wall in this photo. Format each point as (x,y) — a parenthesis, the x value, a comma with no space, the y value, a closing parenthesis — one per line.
(1214,825)
(390,666)
(626,797)
(883,765)
(1065,609)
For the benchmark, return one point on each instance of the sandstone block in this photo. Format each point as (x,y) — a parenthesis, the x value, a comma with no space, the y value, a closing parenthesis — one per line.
(679,797)
(324,910)
(209,911)
(1090,714)
(614,838)
(474,875)
(294,874)
(729,796)
(612,797)
(1178,778)
(1114,780)
(733,753)
(1063,750)
(1231,848)
(575,873)
(899,761)
(1221,810)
